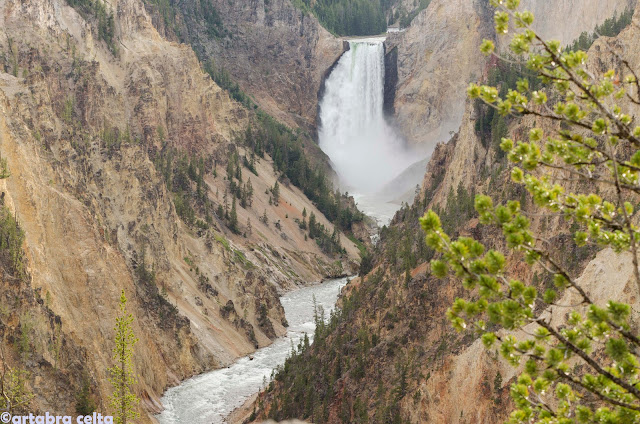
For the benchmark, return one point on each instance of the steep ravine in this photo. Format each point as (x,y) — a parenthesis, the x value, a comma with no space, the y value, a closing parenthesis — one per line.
(275,52)
(391,355)
(211,397)
(80,128)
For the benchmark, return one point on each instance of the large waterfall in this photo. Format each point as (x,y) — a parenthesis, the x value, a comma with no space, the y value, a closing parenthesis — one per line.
(365,151)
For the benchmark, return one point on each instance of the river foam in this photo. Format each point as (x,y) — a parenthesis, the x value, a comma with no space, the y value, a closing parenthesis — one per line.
(210,397)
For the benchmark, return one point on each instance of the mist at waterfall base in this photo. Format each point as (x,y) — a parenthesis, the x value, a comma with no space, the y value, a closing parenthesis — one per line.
(211,397)
(365,151)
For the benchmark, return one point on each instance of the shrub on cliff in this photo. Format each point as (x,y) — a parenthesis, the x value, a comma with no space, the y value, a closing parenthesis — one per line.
(122,376)
(585,367)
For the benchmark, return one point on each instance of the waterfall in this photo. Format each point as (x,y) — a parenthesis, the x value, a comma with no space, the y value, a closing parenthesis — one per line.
(365,151)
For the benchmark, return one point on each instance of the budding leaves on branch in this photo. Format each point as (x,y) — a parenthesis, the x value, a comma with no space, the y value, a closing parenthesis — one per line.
(588,142)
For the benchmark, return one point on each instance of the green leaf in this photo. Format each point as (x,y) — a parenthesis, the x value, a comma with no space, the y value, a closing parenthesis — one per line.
(439,268)
(550,296)
(506,144)
(513,4)
(619,312)
(473,91)
(495,261)
(523,85)
(581,238)
(563,390)
(560,281)
(487,47)
(430,222)
(617,348)
(517,175)
(599,126)
(488,339)
(501,20)
(535,134)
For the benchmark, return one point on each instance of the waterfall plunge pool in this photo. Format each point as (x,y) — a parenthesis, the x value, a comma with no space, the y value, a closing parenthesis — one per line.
(211,397)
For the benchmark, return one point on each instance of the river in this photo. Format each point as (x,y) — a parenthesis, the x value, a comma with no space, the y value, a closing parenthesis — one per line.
(210,397)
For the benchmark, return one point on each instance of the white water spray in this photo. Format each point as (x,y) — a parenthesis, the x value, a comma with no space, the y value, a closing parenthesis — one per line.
(365,151)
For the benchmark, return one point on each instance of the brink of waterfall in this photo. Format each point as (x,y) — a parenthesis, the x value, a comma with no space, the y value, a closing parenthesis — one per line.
(365,150)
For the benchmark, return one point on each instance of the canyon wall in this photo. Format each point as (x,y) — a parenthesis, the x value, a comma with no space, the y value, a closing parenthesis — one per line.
(438,57)
(566,20)
(277,53)
(85,111)
(392,355)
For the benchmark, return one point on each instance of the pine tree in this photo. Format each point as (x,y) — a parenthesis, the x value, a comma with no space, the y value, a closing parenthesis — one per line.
(225,199)
(233,217)
(582,364)
(243,196)
(249,191)
(122,376)
(200,180)
(238,169)
(15,395)
(4,169)
(276,193)
(303,225)
(248,137)
(312,225)
(249,228)
(230,170)
(84,403)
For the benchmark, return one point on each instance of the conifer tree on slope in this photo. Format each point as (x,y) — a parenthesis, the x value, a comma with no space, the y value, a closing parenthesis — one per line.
(122,377)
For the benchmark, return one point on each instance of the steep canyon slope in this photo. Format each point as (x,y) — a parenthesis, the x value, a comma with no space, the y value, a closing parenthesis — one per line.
(94,107)
(437,57)
(390,354)
(274,51)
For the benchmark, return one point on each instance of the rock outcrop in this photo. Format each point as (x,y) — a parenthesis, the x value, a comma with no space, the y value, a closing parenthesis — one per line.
(581,16)
(436,60)
(438,57)
(277,53)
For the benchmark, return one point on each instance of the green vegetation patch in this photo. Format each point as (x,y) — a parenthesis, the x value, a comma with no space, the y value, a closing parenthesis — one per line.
(349,17)
(11,239)
(246,263)
(223,241)
(97,11)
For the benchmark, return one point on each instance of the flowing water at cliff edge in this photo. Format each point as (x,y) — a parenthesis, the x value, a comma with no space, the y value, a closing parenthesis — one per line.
(365,151)
(210,397)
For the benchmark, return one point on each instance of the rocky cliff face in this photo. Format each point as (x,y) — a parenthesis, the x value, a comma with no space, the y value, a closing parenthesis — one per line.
(82,117)
(583,16)
(438,56)
(437,46)
(390,354)
(274,51)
